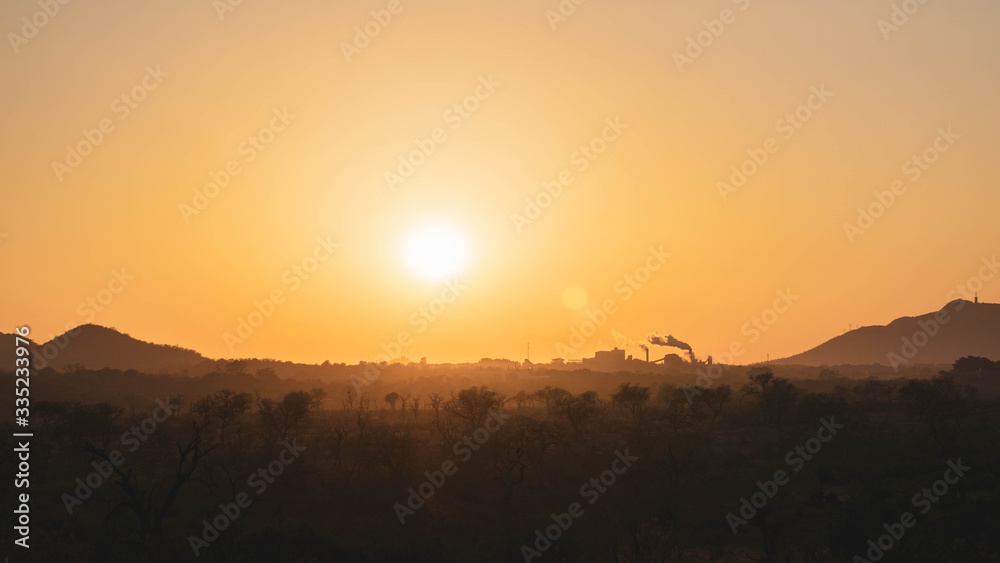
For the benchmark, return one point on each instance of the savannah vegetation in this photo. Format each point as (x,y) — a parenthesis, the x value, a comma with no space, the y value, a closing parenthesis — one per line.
(700,451)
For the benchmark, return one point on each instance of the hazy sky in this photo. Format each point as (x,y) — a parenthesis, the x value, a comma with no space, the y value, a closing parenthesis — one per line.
(199,88)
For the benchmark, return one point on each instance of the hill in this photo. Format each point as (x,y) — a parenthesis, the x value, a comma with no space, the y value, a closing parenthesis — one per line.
(96,347)
(960,329)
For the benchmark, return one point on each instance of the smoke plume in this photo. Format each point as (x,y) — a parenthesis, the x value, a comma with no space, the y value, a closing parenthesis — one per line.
(672,342)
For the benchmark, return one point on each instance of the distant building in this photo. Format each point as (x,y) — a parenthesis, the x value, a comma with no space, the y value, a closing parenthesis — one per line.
(616,360)
(613,356)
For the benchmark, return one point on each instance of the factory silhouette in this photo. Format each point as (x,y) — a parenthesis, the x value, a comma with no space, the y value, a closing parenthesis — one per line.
(615,360)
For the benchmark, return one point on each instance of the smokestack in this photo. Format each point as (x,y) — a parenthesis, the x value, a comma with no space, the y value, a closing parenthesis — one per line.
(672,342)
(645,349)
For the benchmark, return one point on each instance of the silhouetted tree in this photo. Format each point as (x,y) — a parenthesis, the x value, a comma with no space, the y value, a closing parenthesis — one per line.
(632,398)
(149,507)
(940,402)
(524,399)
(223,406)
(283,416)
(551,396)
(974,365)
(473,405)
(578,409)
(392,399)
(775,395)
(715,399)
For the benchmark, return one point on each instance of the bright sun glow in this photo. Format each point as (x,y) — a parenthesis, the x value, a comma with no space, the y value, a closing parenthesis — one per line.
(436,252)
(574,297)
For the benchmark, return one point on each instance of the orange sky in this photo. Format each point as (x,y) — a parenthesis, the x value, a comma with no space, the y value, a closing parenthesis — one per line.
(332,121)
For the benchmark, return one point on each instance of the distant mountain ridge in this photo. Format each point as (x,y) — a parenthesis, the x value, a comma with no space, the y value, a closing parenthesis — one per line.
(962,328)
(97,347)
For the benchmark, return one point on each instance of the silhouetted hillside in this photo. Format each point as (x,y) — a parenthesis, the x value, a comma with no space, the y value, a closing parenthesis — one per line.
(8,355)
(97,347)
(968,329)
(7,344)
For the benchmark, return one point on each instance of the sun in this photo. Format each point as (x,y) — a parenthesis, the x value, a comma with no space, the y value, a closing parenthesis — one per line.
(574,297)
(436,252)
